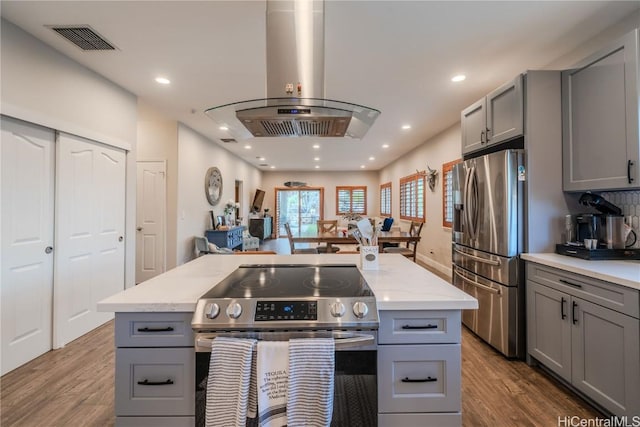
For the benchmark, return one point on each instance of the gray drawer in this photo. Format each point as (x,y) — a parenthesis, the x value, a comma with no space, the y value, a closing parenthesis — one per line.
(419,327)
(155,421)
(137,369)
(619,298)
(434,419)
(153,330)
(440,364)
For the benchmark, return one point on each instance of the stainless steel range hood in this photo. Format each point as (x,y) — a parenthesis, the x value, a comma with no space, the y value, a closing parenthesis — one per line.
(295,105)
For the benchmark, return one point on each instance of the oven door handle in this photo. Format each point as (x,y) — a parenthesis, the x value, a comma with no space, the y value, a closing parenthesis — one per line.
(350,341)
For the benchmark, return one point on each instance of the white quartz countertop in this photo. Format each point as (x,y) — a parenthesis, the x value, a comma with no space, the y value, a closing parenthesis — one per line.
(398,284)
(625,273)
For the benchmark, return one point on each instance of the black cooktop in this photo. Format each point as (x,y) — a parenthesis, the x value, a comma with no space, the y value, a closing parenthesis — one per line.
(291,281)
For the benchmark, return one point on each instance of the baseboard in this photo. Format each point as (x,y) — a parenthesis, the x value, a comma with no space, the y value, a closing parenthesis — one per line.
(444,269)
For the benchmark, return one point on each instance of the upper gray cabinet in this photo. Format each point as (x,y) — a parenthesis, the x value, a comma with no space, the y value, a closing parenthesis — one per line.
(495,118)
(600,147)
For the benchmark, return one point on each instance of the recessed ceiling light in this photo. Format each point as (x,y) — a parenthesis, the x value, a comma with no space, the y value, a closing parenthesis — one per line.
(272,167)
(361,166)
(247,147)
(316,146)
(372,158)
(458,78)
(262,159)
(163,80)
(385,145)
(317,166)
(316,159)
(405,127)
(223,128)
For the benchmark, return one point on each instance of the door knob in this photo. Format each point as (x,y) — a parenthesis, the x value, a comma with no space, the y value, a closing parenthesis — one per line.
(139,228)
(48,250)
(120,239)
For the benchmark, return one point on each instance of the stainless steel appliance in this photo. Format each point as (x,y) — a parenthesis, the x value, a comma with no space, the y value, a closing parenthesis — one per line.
(282,301)
(487,239)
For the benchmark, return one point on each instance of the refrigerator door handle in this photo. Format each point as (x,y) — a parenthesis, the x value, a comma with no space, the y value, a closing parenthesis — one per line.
(479,259)
(472,191)
(478,285)
(467,204)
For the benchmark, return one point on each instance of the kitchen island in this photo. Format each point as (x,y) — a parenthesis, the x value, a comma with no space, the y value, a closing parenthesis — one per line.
(153,330)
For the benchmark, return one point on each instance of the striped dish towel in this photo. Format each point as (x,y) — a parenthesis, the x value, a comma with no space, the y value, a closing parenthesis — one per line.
(311,380)
(228,384)
(272,379)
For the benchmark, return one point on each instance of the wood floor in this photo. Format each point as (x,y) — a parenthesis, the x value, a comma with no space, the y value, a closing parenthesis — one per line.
(74,386)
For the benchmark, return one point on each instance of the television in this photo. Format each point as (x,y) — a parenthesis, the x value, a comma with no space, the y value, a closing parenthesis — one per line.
(256,206)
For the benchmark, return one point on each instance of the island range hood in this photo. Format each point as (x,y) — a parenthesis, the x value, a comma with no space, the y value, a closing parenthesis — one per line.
(295,105)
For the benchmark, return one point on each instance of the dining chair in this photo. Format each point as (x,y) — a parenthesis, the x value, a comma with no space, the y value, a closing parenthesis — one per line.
(293,246)
(409,250)
(327,226)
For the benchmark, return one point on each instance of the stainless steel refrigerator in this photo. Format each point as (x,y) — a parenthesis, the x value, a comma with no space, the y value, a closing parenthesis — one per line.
(487,238)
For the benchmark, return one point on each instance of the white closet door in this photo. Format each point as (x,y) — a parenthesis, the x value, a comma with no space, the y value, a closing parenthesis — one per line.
(26,285)
(150,214)
(90,224)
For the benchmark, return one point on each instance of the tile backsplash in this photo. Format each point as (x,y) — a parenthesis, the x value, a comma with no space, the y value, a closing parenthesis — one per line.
(629,202)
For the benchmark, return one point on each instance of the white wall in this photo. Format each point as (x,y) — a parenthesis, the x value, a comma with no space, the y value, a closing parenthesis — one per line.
(158,140)
(329,181)
(42,86)
(196,154)
(434,248)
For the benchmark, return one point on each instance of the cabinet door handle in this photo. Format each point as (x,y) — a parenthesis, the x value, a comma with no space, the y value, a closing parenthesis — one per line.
(562,314)
(487,134)
(566,282)
(482,137)
(418,380)
(629,178)
(573,312)
(146,329)
(429,326)
(147,382)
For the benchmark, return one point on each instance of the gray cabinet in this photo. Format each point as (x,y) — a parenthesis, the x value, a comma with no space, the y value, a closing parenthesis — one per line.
(495,118)
(419,368)
(601,149)
(586,331)
(155,369)
(260,227)
(231,238)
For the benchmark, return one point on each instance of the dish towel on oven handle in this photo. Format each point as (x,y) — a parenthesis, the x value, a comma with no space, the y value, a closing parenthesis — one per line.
(311,381)
(272,378)
(228,382)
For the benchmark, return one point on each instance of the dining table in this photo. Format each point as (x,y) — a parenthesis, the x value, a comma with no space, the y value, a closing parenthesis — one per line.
(344,237)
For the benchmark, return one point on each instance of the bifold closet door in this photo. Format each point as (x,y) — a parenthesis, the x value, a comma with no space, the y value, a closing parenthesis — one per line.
(90,225)
(26,283)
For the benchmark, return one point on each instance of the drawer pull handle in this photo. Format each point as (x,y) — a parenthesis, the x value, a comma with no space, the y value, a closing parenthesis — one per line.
(147,382)
(429,326)
(145,329)
(420,380)
(566,282)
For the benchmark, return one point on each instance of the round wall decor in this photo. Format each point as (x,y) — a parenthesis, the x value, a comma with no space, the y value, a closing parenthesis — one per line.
(213,185)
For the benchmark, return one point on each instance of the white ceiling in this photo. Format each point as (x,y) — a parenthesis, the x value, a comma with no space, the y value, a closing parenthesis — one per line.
(395,56)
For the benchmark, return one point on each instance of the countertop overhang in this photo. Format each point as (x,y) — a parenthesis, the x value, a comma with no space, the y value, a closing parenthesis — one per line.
(399,284)
(625,273)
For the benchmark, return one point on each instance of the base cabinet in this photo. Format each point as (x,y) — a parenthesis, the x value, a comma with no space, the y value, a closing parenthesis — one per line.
(419,368)
(593,347)
(155,369)
(260,227)
(231,238)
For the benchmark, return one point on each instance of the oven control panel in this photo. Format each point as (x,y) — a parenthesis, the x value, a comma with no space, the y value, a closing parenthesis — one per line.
(286,310)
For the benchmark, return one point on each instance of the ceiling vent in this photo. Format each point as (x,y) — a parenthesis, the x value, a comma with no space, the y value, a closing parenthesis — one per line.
(84,37)
(228,140)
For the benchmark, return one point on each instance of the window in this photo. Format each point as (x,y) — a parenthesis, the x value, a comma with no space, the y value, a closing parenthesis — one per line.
(447,193)
(412,197)
(385,199)
(351,200)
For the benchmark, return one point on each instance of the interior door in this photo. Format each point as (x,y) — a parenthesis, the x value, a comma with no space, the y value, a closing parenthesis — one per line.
(150,220)
(26,286)
(89,266)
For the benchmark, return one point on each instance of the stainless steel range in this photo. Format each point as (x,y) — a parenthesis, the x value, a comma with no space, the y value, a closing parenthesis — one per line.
(290,297)
(283,301)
